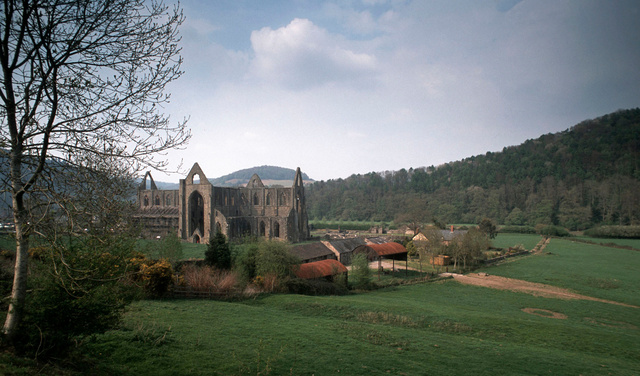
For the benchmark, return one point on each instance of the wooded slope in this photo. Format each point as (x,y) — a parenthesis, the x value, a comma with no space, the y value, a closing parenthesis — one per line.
(586,175)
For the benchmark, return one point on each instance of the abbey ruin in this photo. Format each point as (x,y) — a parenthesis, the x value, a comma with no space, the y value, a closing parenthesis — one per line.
(197,210)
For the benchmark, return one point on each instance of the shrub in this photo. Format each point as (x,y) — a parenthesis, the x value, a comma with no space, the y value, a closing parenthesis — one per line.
(360,272)
(206,278)
(245,261)
(39,253)
(157,276)
(314,287)
(551,230)
(75,289)
(273,259)
(518,248)
(271,282)
(411,249)
(628,232)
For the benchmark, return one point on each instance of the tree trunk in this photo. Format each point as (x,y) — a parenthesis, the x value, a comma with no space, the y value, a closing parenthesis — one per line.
(19,291)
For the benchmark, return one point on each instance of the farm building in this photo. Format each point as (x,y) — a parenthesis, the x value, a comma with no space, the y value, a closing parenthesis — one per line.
(321,269)
(312,252)
(391,251)
(343,249)
(440,260)
(447,236)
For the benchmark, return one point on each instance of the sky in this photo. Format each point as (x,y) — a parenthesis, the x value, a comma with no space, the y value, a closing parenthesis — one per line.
(356,86)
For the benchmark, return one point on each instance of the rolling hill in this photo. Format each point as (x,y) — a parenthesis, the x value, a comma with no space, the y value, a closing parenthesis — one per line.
(270,175)
(586,175)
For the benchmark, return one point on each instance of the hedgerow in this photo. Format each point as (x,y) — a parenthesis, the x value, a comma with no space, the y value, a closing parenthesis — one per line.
(517,229)
(627,232)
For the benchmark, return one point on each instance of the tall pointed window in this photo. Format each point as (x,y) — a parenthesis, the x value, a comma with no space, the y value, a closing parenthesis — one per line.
(196,213)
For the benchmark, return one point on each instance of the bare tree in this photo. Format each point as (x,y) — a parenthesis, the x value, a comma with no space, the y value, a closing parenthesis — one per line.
(432,247)
(415,216)
(81,81)
(472,244)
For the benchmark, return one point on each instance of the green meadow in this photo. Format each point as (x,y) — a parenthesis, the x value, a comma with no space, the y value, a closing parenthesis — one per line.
(589,269)
(633,243)
(430,328)
(506,240)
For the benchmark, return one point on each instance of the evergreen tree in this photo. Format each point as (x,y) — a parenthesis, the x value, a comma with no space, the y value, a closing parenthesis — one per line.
(218,252)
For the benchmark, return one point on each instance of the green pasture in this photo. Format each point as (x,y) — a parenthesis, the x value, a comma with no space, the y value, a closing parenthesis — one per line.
(633,243)
(434,328)
(594,270)
(193,251)
(506,240)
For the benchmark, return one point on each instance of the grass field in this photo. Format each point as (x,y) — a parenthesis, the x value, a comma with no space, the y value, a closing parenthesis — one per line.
(634,243)
(438,328)
(193,251)
(506,240)
(594,270)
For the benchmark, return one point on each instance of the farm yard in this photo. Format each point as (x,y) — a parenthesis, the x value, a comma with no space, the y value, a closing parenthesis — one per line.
(441,327)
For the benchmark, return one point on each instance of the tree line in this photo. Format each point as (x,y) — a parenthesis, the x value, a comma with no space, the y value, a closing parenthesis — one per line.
(585,176)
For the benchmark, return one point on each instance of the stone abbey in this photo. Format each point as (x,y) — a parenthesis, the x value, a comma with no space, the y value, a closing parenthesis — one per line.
(197,209)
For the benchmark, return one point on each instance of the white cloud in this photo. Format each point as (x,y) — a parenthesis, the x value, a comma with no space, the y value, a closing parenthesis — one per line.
(348,88)
(199,26)
(301,55)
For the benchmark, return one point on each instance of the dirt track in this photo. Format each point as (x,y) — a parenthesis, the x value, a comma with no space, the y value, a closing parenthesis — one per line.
(536,289)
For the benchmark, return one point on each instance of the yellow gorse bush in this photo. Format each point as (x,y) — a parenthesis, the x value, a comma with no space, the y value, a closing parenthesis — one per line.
(157,276)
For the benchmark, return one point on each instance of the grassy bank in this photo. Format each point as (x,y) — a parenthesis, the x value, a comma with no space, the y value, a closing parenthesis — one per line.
(430,328)
(589,269)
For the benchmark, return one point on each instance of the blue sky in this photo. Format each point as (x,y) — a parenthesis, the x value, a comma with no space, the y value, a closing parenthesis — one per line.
(344,87)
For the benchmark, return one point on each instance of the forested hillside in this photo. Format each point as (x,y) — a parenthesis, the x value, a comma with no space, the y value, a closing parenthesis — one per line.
(586,175)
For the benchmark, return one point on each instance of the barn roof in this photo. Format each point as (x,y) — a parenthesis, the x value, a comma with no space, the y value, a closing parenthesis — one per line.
(320,269)
(311,250)
(389,249)
(344,245)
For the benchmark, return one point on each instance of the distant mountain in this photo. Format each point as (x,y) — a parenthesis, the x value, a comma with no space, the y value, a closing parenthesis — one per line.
(270,175)
(584,176)
(167,186)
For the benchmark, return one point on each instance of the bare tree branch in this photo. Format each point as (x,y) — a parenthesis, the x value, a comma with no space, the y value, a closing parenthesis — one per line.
(81,81)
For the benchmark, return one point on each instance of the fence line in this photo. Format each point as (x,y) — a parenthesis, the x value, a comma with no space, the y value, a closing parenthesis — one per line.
(499,258)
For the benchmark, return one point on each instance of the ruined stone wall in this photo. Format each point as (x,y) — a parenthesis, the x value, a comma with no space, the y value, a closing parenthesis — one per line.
(198,209)
(155,198)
